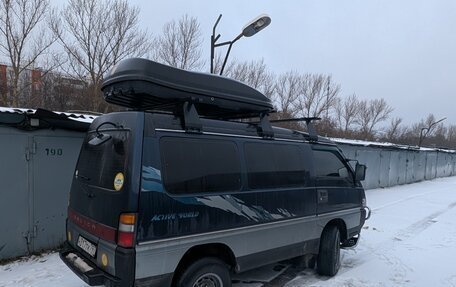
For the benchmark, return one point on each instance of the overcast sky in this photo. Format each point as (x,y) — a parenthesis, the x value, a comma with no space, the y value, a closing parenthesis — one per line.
(403,51)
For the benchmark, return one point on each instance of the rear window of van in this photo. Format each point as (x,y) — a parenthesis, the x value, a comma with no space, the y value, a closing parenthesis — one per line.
(98,165)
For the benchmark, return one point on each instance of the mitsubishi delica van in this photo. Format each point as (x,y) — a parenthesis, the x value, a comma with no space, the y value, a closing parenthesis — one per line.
(178,191)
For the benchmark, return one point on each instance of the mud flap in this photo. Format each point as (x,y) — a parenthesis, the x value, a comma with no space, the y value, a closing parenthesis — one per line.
(350,242)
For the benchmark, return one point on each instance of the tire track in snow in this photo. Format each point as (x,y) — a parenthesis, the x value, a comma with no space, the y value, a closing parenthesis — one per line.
(414,195)
(403,200)
(423,224)
(451,281)
(383,250)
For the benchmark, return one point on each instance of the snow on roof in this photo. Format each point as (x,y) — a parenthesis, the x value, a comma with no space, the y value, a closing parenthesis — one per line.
(85,118)
(32,119)
(387,145)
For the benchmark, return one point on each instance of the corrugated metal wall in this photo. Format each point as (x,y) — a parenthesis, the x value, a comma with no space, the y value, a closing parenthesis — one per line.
(36,169)
(389,166)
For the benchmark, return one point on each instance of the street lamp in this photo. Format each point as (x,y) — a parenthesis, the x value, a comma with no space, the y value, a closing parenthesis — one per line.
(428,129)
(253,27)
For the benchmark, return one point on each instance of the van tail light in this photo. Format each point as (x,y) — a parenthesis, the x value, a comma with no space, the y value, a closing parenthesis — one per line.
(126,231)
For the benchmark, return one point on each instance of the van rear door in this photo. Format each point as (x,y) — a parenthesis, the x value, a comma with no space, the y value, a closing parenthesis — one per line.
(106,179)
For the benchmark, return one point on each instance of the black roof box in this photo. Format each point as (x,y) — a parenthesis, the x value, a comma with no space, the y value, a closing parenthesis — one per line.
(142,84)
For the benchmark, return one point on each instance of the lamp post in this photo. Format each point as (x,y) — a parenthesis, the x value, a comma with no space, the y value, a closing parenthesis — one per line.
(428,129)
(253,27)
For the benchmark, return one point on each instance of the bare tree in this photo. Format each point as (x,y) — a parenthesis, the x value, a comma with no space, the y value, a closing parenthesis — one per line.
(288,88)
(253,73)
(179,45)
(371,114)
(346,112)
(318,95)
(433,130)
(23,40)
(428,123)
(394,130)
(60,93)
(218,63)
(440,135)
(451,136)
(97,34)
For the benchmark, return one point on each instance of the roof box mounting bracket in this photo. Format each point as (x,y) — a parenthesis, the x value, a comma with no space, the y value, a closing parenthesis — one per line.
(264,126)
(313,136)
(192,120)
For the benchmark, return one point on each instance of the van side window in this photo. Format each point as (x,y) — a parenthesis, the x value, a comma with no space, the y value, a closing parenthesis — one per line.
(330,170)
(274,165)
(196,166)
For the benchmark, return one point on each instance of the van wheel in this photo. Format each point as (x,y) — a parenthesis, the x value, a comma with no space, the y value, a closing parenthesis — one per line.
(328,261)
(206,272)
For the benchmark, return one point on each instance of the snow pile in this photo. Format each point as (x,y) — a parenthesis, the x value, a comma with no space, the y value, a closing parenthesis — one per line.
(39,271)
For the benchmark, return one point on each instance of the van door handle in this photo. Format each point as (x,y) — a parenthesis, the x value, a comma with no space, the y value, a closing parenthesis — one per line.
(322,196)
(90,195)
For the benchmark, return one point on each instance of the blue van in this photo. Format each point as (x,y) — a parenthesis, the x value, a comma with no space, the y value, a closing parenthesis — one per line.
(178,191)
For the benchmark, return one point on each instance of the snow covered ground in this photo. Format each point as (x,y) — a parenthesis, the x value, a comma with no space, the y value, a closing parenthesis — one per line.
(410,240)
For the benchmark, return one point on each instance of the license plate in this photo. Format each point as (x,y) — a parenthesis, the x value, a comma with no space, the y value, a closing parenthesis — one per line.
(87,246)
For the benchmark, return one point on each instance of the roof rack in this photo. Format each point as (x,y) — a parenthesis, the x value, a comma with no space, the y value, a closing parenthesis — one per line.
(192,122)
(264,126)
(144,85)
(313,136)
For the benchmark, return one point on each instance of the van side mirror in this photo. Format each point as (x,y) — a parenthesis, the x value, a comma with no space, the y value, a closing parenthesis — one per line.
(343,172)
(360,172)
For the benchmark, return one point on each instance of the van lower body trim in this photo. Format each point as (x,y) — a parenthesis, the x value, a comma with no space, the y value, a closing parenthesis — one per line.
(277,254)
(157,257)
(256,226)
(164,280)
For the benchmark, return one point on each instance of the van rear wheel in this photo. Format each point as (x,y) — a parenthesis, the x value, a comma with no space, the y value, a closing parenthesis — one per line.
(328,261)
(206,272)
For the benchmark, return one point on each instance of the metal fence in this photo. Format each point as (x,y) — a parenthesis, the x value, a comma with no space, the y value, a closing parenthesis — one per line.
(36,169)
(394,165)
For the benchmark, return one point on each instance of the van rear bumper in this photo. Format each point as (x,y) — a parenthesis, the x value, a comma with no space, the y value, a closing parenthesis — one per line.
(86,270)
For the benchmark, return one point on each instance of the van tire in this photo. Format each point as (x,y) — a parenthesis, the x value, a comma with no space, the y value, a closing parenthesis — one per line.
(210,269)
(328,261)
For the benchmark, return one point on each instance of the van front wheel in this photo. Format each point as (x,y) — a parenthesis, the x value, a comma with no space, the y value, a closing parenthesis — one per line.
(210,272)
(328,261)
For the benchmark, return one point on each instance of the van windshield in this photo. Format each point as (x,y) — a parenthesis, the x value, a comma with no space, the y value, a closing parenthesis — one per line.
(100,165)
